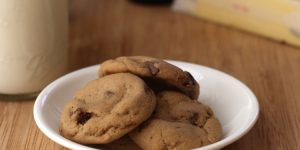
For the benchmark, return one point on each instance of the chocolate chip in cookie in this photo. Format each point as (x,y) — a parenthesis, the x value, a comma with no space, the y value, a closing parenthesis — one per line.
(83,117)
(151,66)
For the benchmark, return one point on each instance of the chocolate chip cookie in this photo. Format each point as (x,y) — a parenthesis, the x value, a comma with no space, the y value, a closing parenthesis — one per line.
(157,73)
(107,108)
(174,107)
(158,134)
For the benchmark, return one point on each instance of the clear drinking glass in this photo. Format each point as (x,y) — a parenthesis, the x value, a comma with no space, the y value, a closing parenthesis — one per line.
(33,45)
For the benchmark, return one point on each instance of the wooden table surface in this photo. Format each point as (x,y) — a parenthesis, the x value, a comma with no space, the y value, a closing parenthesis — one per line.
(102,29)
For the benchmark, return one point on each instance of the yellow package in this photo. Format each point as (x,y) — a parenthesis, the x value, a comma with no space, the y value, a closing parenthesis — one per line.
(277,19)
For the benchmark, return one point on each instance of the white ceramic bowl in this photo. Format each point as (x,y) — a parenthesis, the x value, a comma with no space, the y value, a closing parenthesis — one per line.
(233,102)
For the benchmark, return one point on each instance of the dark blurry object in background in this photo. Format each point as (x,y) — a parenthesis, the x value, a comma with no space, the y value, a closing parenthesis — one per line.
(152,2)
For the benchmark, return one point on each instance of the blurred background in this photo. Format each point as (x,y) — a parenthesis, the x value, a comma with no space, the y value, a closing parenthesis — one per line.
(215,32)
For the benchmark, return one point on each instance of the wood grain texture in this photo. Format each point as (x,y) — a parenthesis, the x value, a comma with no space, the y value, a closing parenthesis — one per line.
(102,29)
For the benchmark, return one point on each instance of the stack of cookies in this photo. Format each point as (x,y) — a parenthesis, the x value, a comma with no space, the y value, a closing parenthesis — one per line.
(140,102)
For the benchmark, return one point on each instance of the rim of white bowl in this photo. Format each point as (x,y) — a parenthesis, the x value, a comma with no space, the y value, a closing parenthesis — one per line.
(73,145)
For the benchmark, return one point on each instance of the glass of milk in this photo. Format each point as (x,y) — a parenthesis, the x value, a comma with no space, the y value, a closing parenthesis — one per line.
(33,45)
